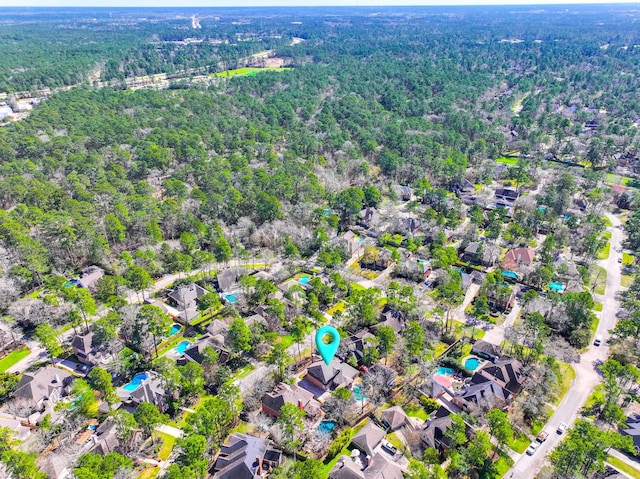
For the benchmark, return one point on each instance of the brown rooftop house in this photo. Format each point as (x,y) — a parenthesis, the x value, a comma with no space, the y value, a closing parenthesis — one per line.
(486,350)
(46,384)
(357,344)
(246,457)
(434,434)
(195,352)
(83,349)
(378,467)
(395,417)
(484,392)
(481,252)
(90,276)
(273,401)
(336,374)
(506,372)
(368,438)
(105,439)
(185,299)
(518,256)
(391,317)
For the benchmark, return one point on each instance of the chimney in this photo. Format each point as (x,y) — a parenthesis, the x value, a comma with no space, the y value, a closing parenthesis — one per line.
(300,405)
(367,462)
(259,469)
(56,379)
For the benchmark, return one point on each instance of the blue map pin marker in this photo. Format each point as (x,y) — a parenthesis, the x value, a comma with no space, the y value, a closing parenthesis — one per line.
(327,351)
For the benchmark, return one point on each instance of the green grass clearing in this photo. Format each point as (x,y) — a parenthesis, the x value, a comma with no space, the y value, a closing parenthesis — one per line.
(626,280)
(415,410)
(337,307)
(617,179)
(507,161)
(12,358)
(597,307)
(519,443)
(247,71)
(605,251)
(149,473)
(624,467)
(168,441)
(565,378)
(597,279)
(503,465)
(627,259)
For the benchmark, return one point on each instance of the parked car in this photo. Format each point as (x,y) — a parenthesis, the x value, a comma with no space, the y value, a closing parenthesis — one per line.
(533,447)
(562,427)
(598,340)
(542,437)
(390,448)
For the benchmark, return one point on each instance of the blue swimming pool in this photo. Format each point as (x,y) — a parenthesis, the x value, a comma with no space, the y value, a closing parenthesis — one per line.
(509,274)
(135,382)
(182,347)
(304,280)
(358,395)
(325,427)
(174,329)
(556,286)
(444,371)
(73,282)
(472,364)
(231,297)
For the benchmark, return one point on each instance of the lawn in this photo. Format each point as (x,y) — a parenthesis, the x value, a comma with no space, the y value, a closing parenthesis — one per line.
(627,259)
(617,179)
(624,467)
(247,71)
(607,221)
(520,443)
(605,251)
(12,358)
(344,452)
(337,307)
(415,410)
(597,306)
(503,465)
(626,280)
(598,278)
(149,473)
(507,161)
(168,441)
(565,377)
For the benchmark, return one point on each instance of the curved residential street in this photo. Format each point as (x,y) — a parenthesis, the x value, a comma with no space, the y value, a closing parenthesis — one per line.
(587,375)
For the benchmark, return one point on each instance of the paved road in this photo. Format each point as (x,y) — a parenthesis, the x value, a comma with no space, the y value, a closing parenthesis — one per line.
(587,376)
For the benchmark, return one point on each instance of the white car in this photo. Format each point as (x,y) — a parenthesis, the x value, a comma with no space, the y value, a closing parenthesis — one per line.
(533,447)
(562,427)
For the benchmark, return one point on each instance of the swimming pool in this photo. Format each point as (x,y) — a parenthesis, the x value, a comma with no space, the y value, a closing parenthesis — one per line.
(174,329)
(509,274)
(358,395)
(135,382)
(304,280)
(472,363)
(182,347)
(556,286)
(231,297)
(444,371)
(325,427)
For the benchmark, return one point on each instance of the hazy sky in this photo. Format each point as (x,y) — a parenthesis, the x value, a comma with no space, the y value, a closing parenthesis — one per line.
(263,3)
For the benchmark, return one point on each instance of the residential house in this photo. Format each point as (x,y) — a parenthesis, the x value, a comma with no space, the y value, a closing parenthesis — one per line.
(507,372)
(591,125)
(368,438)
(434,434)
(195,352)
(391,317)
(486,350)
(86,353)
(518,257)
(246,457)
(382,261)
(507,194)
(376,467)
(351,241)
(405,193)
(46,384)
(395,418)
(632,428)
(90,276)
(185,299)
(413,270)
(329,377)
(369,218)
(475,277)
(55,466)
(483,392)
(227,278)
(273,401)
(357,344)
(166,309)
(150,390)
(18,430)
(482,252)
(8,340)
(581,204)
(105,440)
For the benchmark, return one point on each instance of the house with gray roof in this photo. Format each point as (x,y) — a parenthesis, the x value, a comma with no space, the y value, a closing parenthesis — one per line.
(632,428)
(486,350)
(506,372)
(284,393)
(46,384)
(391,317)
(396,418)
(376,467)
(368,438)
(150,390)
(332,376)
(90,276)
(482,392)
(482,252)
(227,278)
(246,457)
(195,352)
(185,299)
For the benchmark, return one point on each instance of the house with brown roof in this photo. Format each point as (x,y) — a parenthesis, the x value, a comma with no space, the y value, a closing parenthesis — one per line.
(243,456)
(332,376)
(395,418)
(376,467)
(368,438)
(46,384)
(482,392)
(518,257)
(284,393)
(195,352)
(391,317)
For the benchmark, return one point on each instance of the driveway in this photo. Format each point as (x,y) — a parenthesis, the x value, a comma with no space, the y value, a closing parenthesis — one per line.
(587,376)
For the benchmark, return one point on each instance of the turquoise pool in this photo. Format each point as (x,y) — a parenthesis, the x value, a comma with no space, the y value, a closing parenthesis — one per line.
(135,382)
(556,286)
(182,347)
(231,297)
(472,364)
(174,329)
(325,427)
(509,274)
(304,280)
(358,395)
(444,371)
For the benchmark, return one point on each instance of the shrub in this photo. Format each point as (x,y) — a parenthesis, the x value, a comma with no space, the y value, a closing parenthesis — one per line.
(340,442)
